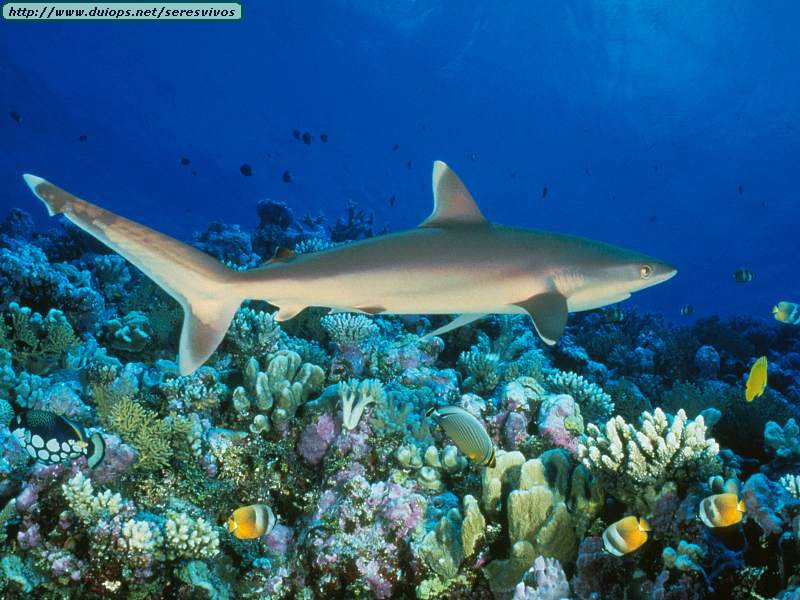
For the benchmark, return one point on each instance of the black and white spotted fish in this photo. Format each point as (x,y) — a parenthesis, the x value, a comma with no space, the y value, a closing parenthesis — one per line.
(787,312)
(52,439)
(467,432)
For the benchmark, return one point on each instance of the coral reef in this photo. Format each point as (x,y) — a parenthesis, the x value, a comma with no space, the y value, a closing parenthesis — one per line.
(322,418)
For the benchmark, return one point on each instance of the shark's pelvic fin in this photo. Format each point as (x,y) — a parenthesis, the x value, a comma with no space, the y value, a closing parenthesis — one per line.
(549,314)
(459,321)
(288,312)
(452,203)
(206,289)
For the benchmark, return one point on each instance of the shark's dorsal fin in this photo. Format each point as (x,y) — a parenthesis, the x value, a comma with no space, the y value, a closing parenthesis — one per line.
(282,254)
(452,203)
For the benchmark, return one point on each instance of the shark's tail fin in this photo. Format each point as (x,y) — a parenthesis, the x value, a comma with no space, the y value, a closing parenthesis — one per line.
(205,288)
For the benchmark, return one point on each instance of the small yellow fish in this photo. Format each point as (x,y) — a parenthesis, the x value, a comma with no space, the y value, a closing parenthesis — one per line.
(757,380)
(787,312)
(251,522)
(625,536)
(467,433)
(721,510)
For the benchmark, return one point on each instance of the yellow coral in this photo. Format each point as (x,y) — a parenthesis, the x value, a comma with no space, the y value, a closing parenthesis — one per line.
(142,428)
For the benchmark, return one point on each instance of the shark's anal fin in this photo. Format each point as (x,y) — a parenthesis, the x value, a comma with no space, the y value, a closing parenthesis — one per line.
(452,203)
(459,321)
(549,314)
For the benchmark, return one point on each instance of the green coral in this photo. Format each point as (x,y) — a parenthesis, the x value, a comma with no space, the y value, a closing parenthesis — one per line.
(276,393)
(349,330)
(481,370)
(38,343)
(253,333)
(6,412)
(145,431)
(595,404)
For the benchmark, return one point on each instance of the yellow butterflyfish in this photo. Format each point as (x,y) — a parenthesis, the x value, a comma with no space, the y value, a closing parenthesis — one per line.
(757,380)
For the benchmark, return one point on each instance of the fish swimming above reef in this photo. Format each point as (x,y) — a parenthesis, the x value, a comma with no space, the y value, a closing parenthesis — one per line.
(757,380)
(467,432)
(52,439)
(721,510)
(251,522)
(787,312)
(743,275)
(454,262)
(625,536)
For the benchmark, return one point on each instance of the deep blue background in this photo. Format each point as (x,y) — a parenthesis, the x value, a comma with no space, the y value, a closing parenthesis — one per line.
(641,121)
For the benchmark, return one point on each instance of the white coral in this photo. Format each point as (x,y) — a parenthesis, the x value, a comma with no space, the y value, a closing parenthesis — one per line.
(368,391)
(79,494)
(188,538)
(141,536)
(792,484)
(348,330)
(665,449)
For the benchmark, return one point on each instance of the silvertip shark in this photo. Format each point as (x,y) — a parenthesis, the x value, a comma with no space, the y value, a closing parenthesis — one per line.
(454,262)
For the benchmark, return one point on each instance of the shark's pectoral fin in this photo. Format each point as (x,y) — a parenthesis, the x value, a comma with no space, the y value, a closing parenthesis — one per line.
(549,314)
(459,321)
(452,203)
(288,312)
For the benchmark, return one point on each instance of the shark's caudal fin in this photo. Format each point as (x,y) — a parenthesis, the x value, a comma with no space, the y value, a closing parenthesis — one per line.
(205,288)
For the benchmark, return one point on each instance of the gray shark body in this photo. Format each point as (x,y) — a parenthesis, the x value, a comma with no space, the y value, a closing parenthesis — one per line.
(455,262)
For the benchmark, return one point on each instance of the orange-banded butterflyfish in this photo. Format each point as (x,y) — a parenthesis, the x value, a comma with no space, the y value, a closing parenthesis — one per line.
(757,380)
(466,431)
(721,510)
(625,536)
(743,276)
(787,312)
(51,439)
(687,310)
(251,522)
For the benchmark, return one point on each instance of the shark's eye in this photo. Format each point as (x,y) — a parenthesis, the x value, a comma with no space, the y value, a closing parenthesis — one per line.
(645,271)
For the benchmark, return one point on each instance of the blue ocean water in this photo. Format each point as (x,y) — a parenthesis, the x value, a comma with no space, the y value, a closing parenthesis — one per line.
(670,129)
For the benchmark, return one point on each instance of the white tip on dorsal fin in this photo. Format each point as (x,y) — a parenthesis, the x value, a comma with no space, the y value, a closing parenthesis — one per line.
(452,202)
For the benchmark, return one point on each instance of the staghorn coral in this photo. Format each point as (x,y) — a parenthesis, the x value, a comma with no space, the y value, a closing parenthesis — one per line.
(634,465)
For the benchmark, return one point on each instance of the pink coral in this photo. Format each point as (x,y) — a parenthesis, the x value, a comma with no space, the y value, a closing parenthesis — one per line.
(316,439)
(118,458)
(560,421)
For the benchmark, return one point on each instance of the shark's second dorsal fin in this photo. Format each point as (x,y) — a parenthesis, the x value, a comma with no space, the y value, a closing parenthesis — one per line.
(452,202)
(281,254)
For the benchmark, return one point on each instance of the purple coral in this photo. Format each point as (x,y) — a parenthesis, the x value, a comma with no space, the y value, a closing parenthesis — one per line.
(316,438)
(546,581)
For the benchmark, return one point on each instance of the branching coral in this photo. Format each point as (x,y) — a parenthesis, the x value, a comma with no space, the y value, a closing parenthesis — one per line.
(634,465)
(141,428)
(38,342)
(253,333)
(369,391)
(480,369)
(595,404)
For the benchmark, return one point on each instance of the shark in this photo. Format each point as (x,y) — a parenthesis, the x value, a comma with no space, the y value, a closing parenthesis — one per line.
(456,262)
